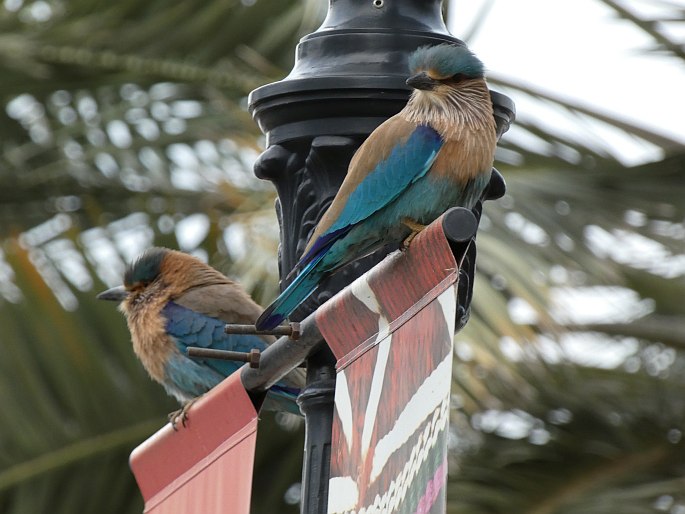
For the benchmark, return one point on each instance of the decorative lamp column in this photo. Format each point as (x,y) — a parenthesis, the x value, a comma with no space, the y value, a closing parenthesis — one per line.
(349,76)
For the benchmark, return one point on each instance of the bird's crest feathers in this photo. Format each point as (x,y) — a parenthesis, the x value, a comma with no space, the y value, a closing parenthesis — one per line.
(445,61)
(146,268)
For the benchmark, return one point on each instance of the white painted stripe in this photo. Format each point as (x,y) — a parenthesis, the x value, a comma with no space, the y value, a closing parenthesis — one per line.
(361,290)
(343,494)
(420,407)
(375,394)
(448,303)
(343,405)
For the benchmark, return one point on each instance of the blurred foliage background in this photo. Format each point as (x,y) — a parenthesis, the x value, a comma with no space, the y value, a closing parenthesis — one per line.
(124,124)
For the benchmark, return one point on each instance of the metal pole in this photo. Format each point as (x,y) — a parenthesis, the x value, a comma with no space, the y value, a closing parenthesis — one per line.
(316,403)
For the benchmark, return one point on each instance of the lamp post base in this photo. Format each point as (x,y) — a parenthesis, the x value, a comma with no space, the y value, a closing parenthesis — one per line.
(316,403)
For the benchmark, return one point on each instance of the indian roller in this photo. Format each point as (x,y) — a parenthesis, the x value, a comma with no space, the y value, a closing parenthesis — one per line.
(436,153)
(171,301)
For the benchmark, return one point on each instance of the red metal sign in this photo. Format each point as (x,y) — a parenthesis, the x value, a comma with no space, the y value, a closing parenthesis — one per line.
(392,333)
(206,466)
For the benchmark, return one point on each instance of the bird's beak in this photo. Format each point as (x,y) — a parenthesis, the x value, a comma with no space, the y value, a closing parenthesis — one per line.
(114,294)
(422,81)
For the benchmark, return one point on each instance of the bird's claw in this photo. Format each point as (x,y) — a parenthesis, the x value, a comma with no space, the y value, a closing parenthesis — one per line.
(408,240)
(181,414)
(415,229)
(175,416)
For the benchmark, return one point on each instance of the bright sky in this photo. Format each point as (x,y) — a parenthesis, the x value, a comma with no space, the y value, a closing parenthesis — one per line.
(581,50)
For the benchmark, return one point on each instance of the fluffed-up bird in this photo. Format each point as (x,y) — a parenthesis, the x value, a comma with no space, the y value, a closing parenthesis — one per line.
(435,154)
(172,301)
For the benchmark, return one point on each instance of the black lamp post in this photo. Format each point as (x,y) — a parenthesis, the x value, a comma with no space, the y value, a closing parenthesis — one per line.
(349,77)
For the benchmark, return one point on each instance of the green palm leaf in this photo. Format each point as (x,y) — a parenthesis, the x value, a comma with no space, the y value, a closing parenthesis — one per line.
(111,143)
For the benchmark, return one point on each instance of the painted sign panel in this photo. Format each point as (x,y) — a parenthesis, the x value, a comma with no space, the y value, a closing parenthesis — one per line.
(207,465)
(390,430)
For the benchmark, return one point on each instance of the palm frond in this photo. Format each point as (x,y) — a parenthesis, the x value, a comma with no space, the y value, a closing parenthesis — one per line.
(655,22)
(110,144)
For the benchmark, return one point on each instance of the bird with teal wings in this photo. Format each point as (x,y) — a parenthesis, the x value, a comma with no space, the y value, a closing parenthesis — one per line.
(173,301)
(436,153)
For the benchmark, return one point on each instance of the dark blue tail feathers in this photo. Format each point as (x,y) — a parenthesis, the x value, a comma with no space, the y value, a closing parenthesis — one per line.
(297,292)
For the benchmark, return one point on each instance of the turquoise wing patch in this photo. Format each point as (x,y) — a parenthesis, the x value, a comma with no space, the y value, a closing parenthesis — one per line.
(405,164)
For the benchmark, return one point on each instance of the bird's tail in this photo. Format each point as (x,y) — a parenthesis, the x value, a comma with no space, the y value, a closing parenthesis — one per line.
(282,399)
(296,293)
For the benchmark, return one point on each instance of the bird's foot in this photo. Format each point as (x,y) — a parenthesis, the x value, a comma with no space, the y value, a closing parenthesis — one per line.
(415,229)
(181,414)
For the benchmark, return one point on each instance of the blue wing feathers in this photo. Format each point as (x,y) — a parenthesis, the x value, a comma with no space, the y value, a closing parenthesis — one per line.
(322,244)
(205,331)
(406,163)
(189,378)
(297,292)
(190,328)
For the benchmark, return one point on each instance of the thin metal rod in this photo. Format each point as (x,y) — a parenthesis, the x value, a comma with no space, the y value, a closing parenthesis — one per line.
(252,357)
(282,357)
(292,330)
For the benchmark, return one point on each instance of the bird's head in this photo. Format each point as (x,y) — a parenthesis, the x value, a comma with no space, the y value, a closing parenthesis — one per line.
(450,92)
(139,278)
(436,69)
(161,273)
